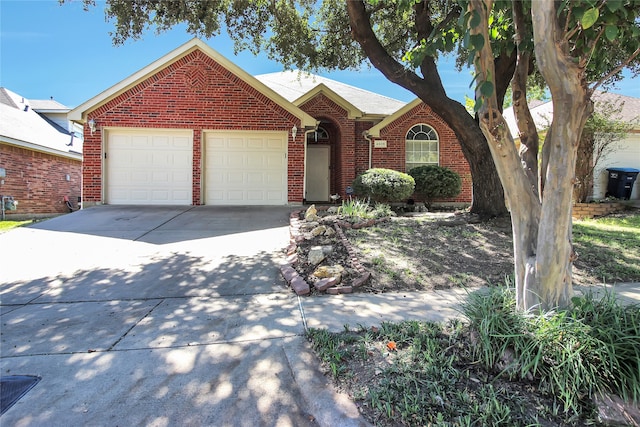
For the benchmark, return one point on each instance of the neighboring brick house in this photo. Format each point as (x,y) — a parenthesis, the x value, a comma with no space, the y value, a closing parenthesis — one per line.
(40,156)
(193,128)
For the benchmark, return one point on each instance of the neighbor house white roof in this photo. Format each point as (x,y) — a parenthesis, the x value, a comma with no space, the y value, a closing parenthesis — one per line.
(294,84)
(22,126)
(542,113)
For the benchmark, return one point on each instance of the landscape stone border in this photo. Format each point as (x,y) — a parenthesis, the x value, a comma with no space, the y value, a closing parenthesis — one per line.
(328,285)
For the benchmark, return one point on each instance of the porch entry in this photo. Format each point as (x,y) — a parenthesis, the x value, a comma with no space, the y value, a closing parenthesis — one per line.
(317,179)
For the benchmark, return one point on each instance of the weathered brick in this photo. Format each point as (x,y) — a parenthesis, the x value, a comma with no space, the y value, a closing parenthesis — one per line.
(361,280)
(300,286)
(323,284)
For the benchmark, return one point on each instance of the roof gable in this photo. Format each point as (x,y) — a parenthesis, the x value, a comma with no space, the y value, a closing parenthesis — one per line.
(295,85)
(375,130)
(79,113)
(322,89)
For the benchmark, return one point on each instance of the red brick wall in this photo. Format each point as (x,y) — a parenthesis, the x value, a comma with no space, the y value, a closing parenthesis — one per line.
(393,157)
(194,93)
(38,181)
(344,147)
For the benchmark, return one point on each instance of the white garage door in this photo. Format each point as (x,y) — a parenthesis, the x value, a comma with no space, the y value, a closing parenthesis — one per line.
(245,168)
(149,167)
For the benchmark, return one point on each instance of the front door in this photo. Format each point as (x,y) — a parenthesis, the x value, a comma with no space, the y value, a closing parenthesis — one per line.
(317,182)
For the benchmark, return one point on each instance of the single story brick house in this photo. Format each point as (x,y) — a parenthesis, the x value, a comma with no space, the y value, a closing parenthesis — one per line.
(192,128)
(40,156)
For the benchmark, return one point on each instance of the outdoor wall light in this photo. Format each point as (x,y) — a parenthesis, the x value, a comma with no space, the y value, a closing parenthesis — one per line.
(92,126)
(294,132)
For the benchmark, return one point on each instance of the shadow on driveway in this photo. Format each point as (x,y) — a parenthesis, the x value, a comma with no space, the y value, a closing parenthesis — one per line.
(180,340)
(168,224)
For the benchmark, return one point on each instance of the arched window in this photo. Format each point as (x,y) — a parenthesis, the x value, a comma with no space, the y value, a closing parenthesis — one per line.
(421,146)
(319,135)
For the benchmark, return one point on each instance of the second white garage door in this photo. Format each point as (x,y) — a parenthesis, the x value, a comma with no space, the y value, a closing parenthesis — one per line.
(245,168)
(149,167)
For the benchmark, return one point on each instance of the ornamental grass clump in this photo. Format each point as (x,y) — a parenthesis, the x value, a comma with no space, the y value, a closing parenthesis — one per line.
(574,354)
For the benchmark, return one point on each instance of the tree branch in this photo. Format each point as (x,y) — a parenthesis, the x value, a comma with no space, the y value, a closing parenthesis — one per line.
(615,70)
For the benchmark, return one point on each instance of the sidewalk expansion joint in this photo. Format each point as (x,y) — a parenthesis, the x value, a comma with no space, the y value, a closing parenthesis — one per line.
(134,325)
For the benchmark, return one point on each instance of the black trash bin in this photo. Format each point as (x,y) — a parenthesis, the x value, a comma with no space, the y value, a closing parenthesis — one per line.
(620,184)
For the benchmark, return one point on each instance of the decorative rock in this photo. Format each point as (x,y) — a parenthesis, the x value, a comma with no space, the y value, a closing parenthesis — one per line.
(333,210)
(361,280)
(309,225)
(333,291)
(328,282)
(292,259)
(300,286)
(327,249)
(329,232)
(311,214)
(329,271)
(316,255)
(321,229)
(613,411)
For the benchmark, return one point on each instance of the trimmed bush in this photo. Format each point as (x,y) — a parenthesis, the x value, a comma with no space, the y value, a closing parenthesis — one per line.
(384,185)
(435,182)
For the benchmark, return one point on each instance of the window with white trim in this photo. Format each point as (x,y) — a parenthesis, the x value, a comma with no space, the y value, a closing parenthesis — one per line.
(422,146)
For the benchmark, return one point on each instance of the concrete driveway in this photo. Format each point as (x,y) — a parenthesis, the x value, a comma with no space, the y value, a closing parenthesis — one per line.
(158,316)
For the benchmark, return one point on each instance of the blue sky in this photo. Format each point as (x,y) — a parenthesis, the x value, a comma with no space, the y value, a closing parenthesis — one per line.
(62,51)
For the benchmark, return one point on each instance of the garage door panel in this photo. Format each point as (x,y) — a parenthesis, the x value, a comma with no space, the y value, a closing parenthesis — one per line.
(149,167)
(247,168)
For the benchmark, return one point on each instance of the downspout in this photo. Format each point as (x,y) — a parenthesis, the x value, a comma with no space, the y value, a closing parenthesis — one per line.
(365,135)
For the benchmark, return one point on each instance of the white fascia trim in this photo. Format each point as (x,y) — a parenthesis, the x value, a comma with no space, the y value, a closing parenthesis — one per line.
(375,130)
(40,148)
(79,114)
(352,111)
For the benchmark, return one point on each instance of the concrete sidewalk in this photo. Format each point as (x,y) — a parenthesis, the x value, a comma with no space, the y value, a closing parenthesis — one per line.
(177,316)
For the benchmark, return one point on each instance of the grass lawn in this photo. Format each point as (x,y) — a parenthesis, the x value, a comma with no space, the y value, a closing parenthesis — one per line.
(495,366)
(8,225)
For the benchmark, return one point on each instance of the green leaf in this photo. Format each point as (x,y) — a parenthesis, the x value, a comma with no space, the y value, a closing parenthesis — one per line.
(611,31)
(613,5)
(475,19)
(486,88)
(590,17)
(478,105)
(477,41)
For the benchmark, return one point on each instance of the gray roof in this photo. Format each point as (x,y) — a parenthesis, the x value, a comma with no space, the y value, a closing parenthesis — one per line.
(21,125)
(48,105)
(293,84)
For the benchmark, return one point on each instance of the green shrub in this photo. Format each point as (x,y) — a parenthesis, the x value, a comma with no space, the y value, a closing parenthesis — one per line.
(435,182)
(384,185)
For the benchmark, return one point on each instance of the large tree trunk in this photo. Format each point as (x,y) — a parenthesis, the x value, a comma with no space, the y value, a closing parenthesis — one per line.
(571,108)
(488,196)
(541,227)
